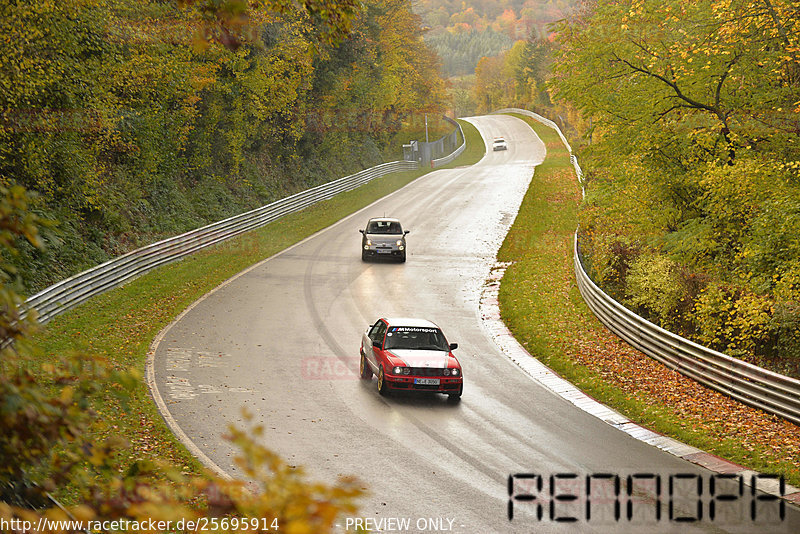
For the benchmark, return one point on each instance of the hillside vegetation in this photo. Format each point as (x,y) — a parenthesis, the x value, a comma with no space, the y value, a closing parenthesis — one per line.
(687,123)
(461,51)
(125,120)
(691,115)
(133,120)
(517,19)
(492,47)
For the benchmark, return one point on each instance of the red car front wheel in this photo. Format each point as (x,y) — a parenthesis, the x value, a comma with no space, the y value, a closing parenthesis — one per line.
(382,388)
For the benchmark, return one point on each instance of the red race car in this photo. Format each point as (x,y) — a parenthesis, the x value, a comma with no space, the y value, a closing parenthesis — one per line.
(410,354)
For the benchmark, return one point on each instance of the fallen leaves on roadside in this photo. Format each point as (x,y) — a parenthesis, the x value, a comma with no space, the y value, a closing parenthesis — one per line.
(541,305)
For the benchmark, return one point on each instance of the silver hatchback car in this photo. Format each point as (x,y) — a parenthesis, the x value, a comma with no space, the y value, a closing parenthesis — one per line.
(383,237)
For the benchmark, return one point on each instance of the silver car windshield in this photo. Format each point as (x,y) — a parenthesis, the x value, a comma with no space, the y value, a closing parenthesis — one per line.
(419,338)
(384,227)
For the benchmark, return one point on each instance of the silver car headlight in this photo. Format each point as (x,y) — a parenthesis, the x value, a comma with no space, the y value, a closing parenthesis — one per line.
(399,242)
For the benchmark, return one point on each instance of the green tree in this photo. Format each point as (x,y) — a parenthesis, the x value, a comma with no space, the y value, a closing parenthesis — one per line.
(515,78)
(724,72)
(136,120)
(692,168)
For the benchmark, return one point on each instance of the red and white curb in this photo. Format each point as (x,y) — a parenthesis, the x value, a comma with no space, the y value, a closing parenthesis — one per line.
(490,314)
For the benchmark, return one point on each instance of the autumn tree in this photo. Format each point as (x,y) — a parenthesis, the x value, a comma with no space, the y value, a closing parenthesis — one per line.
(126,120)
(491,88)
(515,78)
(138,120)
(724,70)
(101,102)
(692,168)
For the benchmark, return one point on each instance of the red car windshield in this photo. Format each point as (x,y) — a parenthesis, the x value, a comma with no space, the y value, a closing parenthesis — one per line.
(420,338)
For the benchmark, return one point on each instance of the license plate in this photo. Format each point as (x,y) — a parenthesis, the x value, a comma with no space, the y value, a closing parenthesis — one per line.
(427,381)
(384,251)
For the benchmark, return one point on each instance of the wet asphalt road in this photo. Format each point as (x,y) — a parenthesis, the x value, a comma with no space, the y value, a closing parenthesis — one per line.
(282,339)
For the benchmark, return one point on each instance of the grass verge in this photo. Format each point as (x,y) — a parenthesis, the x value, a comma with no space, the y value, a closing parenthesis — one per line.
(120,325)
(541,305)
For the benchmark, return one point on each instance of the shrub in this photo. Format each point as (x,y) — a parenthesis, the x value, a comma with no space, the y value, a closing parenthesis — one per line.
(784,353)
(732,320)
(655,287)
(611,258)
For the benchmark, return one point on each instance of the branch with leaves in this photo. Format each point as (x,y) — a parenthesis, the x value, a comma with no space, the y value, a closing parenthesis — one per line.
(228,21)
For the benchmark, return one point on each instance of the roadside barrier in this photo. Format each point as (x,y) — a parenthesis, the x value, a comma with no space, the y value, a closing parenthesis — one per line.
(75,290)
(436,163)
(772,392)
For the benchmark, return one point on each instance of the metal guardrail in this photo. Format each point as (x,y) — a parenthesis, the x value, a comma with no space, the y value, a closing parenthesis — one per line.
(435,163)
(750,384)
(772,392)
(73,291)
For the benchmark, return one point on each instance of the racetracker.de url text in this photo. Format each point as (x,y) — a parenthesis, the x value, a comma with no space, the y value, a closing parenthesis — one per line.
(201,524)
